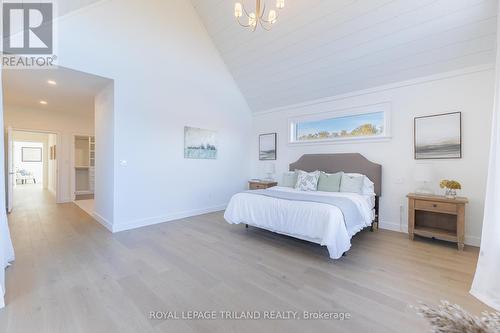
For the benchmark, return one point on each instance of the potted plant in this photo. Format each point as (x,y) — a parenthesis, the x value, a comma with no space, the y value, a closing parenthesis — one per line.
(451,187)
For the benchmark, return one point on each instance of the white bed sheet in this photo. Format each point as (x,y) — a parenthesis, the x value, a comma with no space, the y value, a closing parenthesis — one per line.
(317,222)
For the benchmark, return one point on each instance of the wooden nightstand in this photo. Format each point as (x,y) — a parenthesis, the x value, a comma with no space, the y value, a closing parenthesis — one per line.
(437,217)
(261,184)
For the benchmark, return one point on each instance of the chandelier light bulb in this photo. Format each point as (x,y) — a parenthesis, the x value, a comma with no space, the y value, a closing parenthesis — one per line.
(238,10)
(262,16)
(252,21)
(272,16)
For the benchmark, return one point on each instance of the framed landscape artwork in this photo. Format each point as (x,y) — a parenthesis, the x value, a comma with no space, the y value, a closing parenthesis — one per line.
(200,143)
(438,136)
(267,147)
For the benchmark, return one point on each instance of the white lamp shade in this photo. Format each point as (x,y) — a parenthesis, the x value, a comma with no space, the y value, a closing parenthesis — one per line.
(423,173)
(270,168)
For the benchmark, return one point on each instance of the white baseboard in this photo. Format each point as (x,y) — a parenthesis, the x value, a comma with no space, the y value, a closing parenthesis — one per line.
(64,200)
(393,226)
(167,218)
(107,224)
(485,298)
(386,225)
(473,240)
(469,240)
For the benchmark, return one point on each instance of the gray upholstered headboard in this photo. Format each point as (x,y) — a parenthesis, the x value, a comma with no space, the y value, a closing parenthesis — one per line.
(331,163)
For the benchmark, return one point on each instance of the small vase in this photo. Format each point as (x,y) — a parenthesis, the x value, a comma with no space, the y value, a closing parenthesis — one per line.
(450,193)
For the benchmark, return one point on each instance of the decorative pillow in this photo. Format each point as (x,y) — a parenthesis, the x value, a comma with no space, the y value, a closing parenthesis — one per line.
(351,183)
(307,181)
(329,182)
(289,179)
(368,186)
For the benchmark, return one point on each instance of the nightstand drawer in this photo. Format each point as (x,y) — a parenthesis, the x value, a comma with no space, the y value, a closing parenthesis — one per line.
(255,185)
(258,187)
(441,207)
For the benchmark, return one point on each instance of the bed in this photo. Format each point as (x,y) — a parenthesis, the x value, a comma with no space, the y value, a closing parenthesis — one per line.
(330,219)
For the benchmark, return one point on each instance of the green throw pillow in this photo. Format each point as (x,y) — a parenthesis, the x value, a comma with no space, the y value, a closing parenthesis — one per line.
(330,182)
(289,179)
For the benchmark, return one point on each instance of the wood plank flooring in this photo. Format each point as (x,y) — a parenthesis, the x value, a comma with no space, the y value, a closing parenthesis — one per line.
(72,275)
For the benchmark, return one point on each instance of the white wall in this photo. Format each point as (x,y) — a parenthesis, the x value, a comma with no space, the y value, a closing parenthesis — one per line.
(105,156)
(471,93)
(62,123)
(167,74)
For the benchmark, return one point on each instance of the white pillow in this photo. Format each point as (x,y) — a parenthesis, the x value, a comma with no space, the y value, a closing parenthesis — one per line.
(351,183)
(368,186)
(307,181)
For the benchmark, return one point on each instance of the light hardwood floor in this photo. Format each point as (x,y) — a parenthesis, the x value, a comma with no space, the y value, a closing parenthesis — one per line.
(72,275)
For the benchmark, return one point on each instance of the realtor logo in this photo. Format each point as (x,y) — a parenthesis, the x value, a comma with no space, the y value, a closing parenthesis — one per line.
(27,28)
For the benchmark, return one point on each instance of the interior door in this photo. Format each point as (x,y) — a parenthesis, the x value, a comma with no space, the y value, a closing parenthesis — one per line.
(10,170)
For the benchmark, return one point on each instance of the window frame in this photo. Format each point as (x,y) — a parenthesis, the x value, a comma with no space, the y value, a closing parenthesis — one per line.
(341,113)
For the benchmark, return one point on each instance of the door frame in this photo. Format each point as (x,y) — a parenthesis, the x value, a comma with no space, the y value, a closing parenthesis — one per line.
(9,170)
(59,163)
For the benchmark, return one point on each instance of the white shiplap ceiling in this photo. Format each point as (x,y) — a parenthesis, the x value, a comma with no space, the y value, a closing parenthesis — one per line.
(322,48)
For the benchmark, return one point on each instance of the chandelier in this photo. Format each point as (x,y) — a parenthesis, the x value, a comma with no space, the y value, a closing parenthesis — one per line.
(259,16)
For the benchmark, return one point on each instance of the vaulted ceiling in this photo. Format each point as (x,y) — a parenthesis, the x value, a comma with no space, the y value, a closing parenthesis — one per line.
(321,48)
(62,7)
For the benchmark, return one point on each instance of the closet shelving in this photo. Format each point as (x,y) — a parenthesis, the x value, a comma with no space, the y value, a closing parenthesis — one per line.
(84,165)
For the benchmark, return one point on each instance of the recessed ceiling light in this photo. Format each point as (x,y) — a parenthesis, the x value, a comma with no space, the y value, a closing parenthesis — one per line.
(52,82)
(43,102)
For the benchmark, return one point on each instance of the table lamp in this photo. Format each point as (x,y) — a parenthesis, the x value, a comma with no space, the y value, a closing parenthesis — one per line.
(270,169)
(423,174)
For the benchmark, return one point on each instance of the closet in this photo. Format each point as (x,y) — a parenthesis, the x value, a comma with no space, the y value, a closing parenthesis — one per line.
(84,165)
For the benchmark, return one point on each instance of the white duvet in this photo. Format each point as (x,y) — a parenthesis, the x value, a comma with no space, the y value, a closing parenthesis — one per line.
(316,222)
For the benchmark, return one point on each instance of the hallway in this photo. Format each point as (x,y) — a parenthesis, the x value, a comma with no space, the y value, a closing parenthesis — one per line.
(52,244)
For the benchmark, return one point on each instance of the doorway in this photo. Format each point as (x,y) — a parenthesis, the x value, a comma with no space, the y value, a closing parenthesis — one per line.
(32,164)
(68,103)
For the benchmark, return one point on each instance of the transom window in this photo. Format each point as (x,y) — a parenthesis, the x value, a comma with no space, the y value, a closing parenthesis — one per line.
(355,124)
